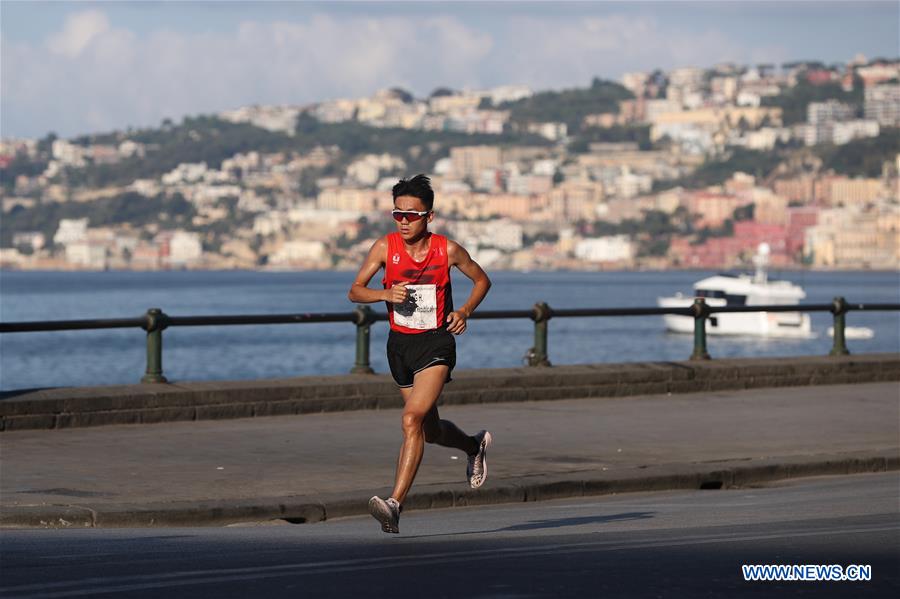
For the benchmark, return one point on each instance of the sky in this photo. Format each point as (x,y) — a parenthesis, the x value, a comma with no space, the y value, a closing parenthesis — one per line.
(88,67)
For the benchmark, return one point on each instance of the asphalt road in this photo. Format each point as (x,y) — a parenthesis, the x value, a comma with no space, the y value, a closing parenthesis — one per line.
(673,544)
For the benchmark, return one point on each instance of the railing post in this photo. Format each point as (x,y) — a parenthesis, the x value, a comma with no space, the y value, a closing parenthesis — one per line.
(839,309)
(537,356)
(701,313)
(154,325)
(365,316)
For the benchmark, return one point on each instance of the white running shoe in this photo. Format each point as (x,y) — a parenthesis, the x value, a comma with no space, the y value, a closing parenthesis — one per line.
(476,470)
(387,512)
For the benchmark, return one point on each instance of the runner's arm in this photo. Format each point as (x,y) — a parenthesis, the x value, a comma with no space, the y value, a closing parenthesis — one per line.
(460,258)
(359,291)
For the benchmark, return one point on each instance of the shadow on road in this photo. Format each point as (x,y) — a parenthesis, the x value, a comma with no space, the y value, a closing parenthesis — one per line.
(557,523)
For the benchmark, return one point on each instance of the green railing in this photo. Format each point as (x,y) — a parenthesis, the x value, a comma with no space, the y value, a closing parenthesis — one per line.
(155,321)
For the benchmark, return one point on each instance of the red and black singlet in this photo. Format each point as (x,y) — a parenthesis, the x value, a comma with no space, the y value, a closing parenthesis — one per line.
(430,298)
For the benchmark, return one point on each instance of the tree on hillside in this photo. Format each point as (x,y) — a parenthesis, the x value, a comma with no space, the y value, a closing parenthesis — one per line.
(441,92)
(568,106)
(45,145)
(637,134)
(403,95)
(862,157)
(715,172)
(794,101)
(20,164)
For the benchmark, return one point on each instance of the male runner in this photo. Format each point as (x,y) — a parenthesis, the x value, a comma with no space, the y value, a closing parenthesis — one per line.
(421,350)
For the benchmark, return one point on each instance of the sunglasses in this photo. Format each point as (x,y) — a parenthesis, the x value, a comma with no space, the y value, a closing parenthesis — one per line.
(410,215)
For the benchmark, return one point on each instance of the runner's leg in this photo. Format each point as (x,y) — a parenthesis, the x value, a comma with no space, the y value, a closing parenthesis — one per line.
(406,392)
(447,434)
(426,389)
(441,432)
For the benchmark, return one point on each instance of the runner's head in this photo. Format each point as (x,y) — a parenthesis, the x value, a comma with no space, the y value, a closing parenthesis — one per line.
(419,187)
(413,201)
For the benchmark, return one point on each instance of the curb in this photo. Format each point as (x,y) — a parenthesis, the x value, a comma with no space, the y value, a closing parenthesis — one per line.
(59,408)
(310,509)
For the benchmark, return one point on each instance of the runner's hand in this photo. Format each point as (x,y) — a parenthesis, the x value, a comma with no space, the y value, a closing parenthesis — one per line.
(456,322)
(398,293)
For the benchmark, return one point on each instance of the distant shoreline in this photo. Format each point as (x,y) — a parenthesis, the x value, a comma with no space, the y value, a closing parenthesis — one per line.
(748,268)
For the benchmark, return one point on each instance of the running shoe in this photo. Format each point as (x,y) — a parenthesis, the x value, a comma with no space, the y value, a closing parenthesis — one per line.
(387,512)
(477,468)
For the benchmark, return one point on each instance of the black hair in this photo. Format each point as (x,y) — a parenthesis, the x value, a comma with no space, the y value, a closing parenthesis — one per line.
(418,187)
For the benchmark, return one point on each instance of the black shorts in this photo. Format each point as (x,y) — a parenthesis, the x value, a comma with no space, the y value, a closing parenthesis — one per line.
(408,354)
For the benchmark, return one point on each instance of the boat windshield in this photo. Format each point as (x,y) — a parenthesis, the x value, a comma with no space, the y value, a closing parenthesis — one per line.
(730,298)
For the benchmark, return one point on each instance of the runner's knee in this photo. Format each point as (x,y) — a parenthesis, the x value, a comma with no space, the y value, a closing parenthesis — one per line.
(412,422)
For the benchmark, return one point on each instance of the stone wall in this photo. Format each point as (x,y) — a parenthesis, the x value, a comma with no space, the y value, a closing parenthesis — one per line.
(156,403)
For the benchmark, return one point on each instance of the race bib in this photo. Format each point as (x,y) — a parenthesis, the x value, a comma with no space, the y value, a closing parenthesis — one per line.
(419,311)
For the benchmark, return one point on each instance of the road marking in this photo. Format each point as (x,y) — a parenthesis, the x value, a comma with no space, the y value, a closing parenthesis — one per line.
(198,577)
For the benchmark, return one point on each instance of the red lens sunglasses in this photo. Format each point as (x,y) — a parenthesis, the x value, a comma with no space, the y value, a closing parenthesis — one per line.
(410,215)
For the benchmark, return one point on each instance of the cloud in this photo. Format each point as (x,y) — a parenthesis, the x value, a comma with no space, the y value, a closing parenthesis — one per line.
(94,76)
(79,30)
(564,53)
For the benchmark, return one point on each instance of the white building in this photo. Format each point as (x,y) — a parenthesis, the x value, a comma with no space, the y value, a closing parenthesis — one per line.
(298,251)
(324,217)
(765,138)
(500,234)
(443,166)
(146,187)
(367,169)
(748,98)
(828,112)
(455,103)
(129,148)
(184,248)
(250,201)
(839,133)
(629,185)
(615,248)
(33,239)
(882,104)
(358,201)
(90,254)
(68,154)
(210,194)
(273,118)
(635,82)
(70,230)
(842,133)
(552,130)
(53,169)
(10,257)
(509,93)
(724,89)
(185,173)
(269,223)
(654,108)
(545,167)
(242,164)
(521,184)
(690,78)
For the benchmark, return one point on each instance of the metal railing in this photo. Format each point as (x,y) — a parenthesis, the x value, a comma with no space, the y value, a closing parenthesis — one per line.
(155,321)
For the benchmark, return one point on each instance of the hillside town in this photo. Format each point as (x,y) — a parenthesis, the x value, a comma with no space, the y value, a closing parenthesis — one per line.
(691,168)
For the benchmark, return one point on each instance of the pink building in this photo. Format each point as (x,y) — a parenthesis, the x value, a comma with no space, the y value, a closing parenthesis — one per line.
(729,252)
(799,219)
(713,209)
(820,76)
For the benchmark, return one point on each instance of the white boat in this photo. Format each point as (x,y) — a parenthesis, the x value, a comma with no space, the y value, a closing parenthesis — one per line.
(854,332)
(743,290)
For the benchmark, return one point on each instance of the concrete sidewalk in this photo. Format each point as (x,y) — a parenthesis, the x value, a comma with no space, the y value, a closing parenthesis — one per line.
(317,466)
